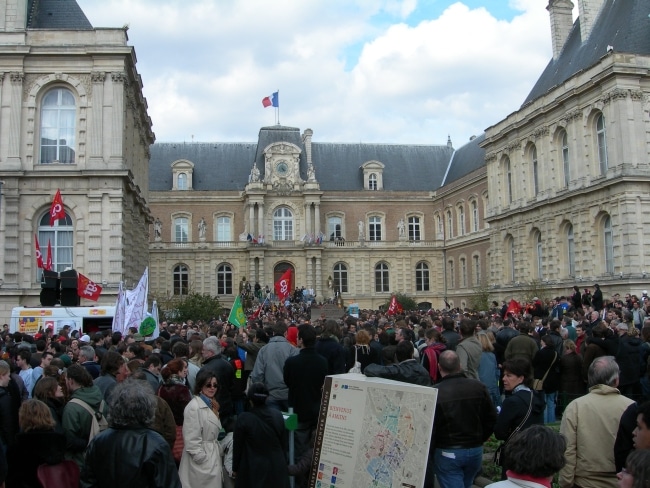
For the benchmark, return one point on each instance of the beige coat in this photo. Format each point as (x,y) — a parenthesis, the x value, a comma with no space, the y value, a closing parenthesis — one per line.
(589,424)
(201,463)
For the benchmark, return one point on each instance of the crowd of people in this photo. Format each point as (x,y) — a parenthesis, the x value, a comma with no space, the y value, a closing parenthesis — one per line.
(201,404)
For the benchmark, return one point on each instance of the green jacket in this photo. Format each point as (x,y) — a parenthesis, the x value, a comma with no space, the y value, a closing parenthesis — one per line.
(77,422)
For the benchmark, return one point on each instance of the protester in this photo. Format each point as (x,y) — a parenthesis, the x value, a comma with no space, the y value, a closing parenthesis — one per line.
(636,473)
(177,396)
(49,391)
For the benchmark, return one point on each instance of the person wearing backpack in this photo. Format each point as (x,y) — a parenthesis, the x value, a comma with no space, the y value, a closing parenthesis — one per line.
(78,422)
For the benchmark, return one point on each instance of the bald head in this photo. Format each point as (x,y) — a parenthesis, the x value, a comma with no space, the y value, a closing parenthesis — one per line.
(449,363)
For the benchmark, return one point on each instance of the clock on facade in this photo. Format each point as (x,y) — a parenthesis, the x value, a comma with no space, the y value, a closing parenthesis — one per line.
(282,168)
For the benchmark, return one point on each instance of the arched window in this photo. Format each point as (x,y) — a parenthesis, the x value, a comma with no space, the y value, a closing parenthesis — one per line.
(382,284)
(510,257)
(224,229)
(422,277)
(181,229)
(182,181)
(533,157)
(508,181)
(58,119)
(461,220)
(334,228)
(565,159)
(451,278)
(601,135)
(609,245)
(372,181)
(414,229)
(440,227)
(341,277)
(477,270)
(571,251)
(224,280)
(282,224)
(463,273)
(181,279)
(539,255)
(374,228)
(61,239)
(475,224)
(450,225)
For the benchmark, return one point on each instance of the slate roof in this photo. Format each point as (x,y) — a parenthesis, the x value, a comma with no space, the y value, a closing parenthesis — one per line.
(466,159)
(226,166)
(622,24)
(57,15)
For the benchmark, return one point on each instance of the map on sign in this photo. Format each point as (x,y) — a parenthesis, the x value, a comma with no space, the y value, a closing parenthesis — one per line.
(372,433)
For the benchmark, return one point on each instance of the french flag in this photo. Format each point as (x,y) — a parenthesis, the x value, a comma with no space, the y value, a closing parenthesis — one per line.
(271,101)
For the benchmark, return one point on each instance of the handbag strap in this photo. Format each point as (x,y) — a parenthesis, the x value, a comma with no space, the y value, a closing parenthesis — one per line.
(355,354)
(549,368)
(521,424)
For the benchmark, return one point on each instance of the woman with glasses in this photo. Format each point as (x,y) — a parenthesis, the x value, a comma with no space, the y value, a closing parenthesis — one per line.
(201,463)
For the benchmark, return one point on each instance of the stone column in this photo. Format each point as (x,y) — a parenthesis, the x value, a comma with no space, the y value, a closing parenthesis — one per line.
(97,123)
(117,119)
(15,113)
(308,227)
(316,218)
(260,220)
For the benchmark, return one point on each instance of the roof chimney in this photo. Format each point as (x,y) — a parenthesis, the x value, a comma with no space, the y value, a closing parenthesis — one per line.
(588,11)
(561,23)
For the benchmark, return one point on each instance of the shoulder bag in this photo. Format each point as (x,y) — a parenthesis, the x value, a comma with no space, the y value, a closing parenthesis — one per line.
(498,454)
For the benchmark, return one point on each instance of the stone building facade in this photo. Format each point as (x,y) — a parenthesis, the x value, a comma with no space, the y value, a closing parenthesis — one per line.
(73,119)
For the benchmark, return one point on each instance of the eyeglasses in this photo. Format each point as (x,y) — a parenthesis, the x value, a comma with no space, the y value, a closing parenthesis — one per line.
(211,385)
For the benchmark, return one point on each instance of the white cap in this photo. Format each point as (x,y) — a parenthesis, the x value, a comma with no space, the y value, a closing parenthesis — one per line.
(85,338)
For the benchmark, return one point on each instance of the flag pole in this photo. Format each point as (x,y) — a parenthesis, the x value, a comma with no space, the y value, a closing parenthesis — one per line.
(277,110)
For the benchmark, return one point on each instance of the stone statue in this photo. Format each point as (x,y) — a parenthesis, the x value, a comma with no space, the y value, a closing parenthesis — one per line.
(202,227)
(157,229)
(255,174)
(401,227)
(311,173)
(361,235)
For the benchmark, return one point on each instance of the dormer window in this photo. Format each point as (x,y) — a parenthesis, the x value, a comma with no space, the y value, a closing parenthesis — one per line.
(373,175)
(182,171)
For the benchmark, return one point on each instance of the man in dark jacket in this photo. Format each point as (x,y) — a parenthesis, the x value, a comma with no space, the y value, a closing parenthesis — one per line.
(143,456)
(214,362)
(464,420)
(597,299)
(407,369)
(628,358)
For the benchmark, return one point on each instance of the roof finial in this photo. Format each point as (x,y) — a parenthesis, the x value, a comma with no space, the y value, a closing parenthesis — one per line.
(449,144)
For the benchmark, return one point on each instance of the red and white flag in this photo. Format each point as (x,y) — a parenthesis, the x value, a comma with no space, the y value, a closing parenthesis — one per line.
(86,288)
(283,285)
(48,261)
(56,210)
(39,255)
(394,307)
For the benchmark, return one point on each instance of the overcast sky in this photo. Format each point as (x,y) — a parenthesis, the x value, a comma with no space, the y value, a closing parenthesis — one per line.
(409,71)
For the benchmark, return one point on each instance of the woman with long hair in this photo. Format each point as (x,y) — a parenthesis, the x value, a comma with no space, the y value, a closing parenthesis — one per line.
(177,395)
(362,352)
(636,473)
(201,463)
(488,370)
(49,391)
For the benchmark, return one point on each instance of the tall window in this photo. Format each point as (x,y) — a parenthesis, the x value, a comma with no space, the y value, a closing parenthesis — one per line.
(58,116)
(223,229)
(508,180)
(451,280)
(414,228)
(511,258)
(341,277)
(571,251)
(539,256)
(224,280)
(440,227)
(602,144)
(477,270)
(282,224)
(422,277)
(61,239)
(182,181)
(374,229)
(181,280)
(334,226)
(565,159)
(609,245)
(181,229)
(463,272)
(533,156)
(381,278)
(372,181)
(450,225)
(461,220)
(474,216)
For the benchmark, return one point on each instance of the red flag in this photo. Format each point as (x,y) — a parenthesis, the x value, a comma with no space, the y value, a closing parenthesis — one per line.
(39,255)
(513,308)
(257,312)
(48,262)
(56,210)
(283,285)
(87,288)
(394,306)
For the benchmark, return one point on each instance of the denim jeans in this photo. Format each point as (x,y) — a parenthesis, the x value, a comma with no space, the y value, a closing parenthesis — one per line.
(549,413)
(457,468)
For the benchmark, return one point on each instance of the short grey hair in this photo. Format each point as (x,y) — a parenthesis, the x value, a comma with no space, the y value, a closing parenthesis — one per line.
(88,352)
(603,371)
(212,344)
(131,405)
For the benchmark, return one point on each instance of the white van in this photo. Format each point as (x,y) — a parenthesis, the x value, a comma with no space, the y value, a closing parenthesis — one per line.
(87,320)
